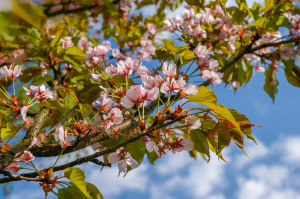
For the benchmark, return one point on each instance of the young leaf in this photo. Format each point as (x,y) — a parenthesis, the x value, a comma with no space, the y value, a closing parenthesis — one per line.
(204,95)
(200,143)
(271,83)
(77,177)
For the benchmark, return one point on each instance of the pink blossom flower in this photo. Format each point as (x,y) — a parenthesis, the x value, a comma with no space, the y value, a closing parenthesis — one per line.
(190,89)
(84,43)
(144,54)
(25,157)
(235,84)
(151,29)
(213,76)
(143,70)
(137,94)
(103,49)
(184,144)
(117,54)
(40,92)
(199,33)
(170,85)
(201,52)
(149,81)
(115,115)
(24,110)
(60,135)
(188,14)
(18,55)
(12,72)
(193,123)
(124,159)
(112,70)
(14,167)
(66,43)
(169,71)
(260,69)
(125,67)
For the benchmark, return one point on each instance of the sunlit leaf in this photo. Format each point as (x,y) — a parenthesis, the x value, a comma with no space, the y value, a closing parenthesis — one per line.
(9,131)
(77,177)
(204,95)
(94,192)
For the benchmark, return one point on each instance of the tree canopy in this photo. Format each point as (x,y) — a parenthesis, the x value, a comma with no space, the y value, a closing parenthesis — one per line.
(127,84)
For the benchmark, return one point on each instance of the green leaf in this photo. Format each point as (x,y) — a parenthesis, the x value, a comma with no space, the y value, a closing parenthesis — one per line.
(70,192)
(90,94)
(76,53)
(200,143)
(204,95)
(9,131)
(77,66)
(271,83)
(186,56)
(223,3)
(248,71)
(77,177)
(64,92)
(292,72)
(268,5)
(245,124)
(29,12)
(57,37)
(137,150)
(85,109)
(199,3)
(224,112)
(94,192)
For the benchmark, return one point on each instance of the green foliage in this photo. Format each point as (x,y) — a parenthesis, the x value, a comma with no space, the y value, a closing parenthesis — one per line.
(271,82)
(79,188)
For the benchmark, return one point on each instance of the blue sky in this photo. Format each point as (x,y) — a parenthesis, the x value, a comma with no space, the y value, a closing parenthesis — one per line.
(272,171)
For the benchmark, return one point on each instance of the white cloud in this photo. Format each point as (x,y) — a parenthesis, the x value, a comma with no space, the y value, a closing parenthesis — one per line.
(35,193)
(255,152)
(291,150)
(197,179)
(112,185)
(275,179)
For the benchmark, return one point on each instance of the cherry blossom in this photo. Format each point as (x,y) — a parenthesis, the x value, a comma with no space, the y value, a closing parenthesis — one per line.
(24,110)
(40,92)
(60,135)
(12,72)
(115,115)
(193,123)
(184,144)
(260,69)
(84,43)
(123,158)
(14,167)
(66,43)
(169,71)
(25,157)
(137,94)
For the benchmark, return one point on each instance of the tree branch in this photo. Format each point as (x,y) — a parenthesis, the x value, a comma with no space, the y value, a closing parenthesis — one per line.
(248,49)
(63,11)
(9,156)
(95,155)
(90,139)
